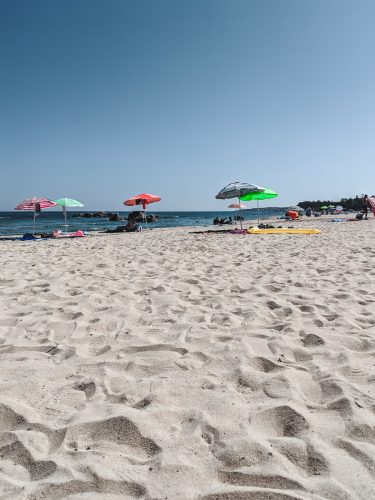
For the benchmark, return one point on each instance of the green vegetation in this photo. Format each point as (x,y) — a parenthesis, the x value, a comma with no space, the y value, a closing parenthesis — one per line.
(347,203)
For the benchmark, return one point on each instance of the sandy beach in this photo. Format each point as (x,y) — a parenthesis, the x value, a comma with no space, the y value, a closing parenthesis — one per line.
(173,365)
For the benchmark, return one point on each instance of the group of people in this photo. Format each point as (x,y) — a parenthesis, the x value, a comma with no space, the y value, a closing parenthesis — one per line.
(362,215)
(219,222)
(309,212)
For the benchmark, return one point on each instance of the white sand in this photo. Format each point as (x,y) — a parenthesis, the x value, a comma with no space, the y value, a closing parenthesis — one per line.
(171,365)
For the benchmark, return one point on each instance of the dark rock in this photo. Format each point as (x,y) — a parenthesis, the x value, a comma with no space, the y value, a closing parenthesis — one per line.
(152,218)
(136,216)
(114,217)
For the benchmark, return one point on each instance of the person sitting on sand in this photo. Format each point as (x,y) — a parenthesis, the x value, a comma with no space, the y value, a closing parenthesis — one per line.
(132,227)
(216,221)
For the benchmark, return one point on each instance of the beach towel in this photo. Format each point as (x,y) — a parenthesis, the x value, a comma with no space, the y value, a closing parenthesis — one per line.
(57,233)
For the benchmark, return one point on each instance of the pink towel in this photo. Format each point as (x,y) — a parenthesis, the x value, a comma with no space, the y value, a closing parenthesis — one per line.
(57,233)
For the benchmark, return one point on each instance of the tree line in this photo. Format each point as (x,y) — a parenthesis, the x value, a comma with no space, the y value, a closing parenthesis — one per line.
(346,203)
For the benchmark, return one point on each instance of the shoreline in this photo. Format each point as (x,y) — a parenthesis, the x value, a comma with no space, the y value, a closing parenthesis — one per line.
(247,223)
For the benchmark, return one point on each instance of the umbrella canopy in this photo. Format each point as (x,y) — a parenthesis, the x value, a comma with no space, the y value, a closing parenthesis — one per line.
(263,195)
(237,205)
(142,199)
(339,208)
(68,202)
(324,207)
(237,189)
(35,204)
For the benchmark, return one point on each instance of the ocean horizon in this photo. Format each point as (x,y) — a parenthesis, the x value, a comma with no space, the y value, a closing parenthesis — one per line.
(20,222)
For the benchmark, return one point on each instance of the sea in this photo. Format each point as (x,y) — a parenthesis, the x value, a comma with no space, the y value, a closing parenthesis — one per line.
(18,222)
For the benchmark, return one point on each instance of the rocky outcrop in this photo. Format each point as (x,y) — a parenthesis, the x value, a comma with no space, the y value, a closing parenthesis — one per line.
(136,216)
(115,217)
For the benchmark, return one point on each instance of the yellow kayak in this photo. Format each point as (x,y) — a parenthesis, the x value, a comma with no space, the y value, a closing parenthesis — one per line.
(283,230)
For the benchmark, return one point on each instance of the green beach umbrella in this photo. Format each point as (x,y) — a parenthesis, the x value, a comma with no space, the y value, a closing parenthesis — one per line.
(264,195)
(67,202)
(324,207)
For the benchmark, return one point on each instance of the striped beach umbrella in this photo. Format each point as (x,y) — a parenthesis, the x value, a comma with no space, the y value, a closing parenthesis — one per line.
(35,204)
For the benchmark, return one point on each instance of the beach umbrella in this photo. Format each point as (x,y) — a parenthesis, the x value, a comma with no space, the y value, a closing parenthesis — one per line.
(143,199)
(236,190)
(323,207)
(35,204)
(264,195)
(339,208)
(237,206)
(67,202)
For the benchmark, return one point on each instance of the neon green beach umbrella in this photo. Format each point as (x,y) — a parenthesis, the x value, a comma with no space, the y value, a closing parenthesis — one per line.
(264,195)
(67,202)
(324,207)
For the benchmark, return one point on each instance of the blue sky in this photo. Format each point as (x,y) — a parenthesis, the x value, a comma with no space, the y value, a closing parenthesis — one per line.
(101,100)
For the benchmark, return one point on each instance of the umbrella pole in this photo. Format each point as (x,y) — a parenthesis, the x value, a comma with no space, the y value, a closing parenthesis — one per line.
(34,222)
(239,203)
(258,211)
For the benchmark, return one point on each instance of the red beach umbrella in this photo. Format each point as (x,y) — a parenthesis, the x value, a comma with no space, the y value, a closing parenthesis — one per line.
(142,199)
(35,204)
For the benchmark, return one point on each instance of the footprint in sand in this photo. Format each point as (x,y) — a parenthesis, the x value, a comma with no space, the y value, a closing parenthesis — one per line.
(280,421)
(12,449)
(117,430)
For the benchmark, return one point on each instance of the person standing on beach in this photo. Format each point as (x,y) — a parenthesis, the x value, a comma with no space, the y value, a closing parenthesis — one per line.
(365,206)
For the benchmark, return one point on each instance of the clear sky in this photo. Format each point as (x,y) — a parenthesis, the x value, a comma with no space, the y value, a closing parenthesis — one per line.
(104,99)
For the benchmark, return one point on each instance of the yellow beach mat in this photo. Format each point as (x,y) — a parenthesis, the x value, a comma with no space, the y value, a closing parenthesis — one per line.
(283,230)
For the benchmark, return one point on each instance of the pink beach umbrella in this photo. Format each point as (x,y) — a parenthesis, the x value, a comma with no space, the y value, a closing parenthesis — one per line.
(35,204)
(237,206)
